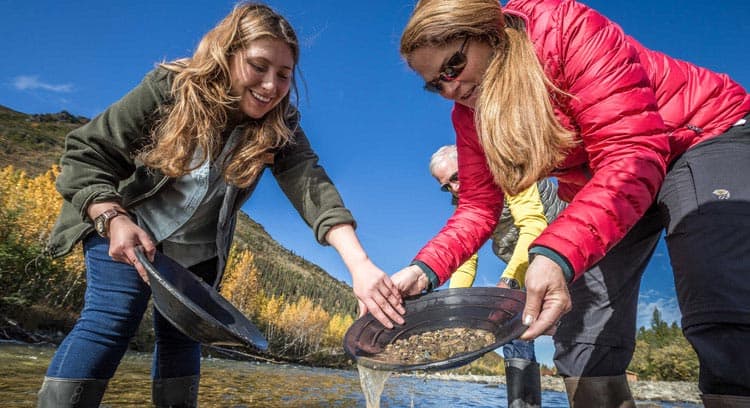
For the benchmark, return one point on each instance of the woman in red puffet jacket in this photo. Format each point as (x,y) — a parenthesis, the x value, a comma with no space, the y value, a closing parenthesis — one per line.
(638,141)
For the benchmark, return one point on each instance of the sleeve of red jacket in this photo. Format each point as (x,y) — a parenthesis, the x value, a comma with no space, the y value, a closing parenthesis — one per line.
(479,205)
(624,136)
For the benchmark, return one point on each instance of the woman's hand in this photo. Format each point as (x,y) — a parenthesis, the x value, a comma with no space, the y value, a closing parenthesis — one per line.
(375,292)
(124,237)
(410,281)
(547,297)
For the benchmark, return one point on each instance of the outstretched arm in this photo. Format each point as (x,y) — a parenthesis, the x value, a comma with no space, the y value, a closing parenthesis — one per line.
(479,207)
(317,200)
(375,291)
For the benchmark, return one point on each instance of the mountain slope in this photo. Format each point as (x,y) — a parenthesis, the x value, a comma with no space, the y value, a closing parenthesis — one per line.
(33,142)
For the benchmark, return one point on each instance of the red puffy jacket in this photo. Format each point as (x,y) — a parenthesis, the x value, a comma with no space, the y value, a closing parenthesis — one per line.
(635,110)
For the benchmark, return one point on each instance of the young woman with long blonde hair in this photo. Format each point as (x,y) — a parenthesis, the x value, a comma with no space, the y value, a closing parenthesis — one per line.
(638,141)
(170,164)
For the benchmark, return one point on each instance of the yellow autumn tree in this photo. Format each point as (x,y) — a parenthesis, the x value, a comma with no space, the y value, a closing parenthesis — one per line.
(336,329)
(39,205)
(303,324)
(269,313)
(28,209)
(241,283)
(9,178)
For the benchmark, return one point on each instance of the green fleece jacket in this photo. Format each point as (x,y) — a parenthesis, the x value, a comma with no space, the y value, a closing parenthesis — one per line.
(99,165)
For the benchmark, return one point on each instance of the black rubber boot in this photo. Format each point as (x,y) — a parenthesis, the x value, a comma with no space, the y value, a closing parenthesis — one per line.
(598,392)
(725,401)
(178,392)
(523,383)
(70,393)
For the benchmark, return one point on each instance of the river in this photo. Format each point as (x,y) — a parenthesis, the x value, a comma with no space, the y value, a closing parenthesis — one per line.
(228,383)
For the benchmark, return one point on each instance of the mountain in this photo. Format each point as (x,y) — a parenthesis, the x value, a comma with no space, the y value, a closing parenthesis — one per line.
(35,142)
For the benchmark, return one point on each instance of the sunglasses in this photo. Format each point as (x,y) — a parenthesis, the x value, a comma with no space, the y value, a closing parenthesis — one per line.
(449,71)
(447,186)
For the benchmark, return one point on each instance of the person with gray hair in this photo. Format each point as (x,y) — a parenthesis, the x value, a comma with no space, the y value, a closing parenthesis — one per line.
(523,218)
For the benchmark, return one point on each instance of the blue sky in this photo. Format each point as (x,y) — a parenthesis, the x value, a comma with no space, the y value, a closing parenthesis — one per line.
(362,108)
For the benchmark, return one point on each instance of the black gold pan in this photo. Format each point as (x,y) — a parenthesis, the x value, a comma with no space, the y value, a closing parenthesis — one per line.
(195,308)
(493,309)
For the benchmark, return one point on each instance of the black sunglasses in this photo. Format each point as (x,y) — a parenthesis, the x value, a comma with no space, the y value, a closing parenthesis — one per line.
(447,186)
(449,71)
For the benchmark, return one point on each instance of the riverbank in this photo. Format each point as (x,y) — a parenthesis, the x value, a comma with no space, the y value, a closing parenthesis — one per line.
(668,391)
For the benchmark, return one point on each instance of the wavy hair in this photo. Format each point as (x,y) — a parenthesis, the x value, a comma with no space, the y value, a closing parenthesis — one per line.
(202,104)
(521,136)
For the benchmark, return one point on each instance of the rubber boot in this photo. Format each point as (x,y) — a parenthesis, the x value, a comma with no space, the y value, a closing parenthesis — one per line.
(178,392)
(725,401)
(70,393)
(597,392)
(523,383)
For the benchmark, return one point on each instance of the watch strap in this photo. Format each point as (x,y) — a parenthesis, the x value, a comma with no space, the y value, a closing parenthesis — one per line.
(101,222)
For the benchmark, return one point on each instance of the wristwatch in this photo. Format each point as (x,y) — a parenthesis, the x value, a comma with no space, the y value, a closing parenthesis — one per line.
(101,222)
(512,283)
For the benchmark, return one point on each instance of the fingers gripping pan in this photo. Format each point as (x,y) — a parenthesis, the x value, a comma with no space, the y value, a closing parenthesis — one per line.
(195,308)
(496,310)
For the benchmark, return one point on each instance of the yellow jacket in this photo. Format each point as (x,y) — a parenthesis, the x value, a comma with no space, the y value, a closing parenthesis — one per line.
(528,216)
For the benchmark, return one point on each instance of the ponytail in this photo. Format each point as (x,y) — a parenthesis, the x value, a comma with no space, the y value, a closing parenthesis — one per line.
(515,119)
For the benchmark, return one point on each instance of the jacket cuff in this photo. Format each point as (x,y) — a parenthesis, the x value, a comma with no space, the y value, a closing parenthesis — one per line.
(560,260)
(432,278)
(330,219)
(93,194)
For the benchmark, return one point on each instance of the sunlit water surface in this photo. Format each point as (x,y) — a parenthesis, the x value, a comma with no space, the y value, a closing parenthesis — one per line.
(227,383)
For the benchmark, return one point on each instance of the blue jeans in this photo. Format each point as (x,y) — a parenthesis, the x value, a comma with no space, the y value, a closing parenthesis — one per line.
(519,349)
(114,303)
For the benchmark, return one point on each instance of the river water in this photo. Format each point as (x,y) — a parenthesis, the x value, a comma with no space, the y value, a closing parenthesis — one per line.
(228,383)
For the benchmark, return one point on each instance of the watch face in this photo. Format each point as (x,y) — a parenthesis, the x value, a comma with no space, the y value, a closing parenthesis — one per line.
(99,225)
(100,222)
(512,283)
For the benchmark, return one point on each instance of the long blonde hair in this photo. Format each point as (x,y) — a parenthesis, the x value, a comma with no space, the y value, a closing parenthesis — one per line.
(521,136)
(200,111)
